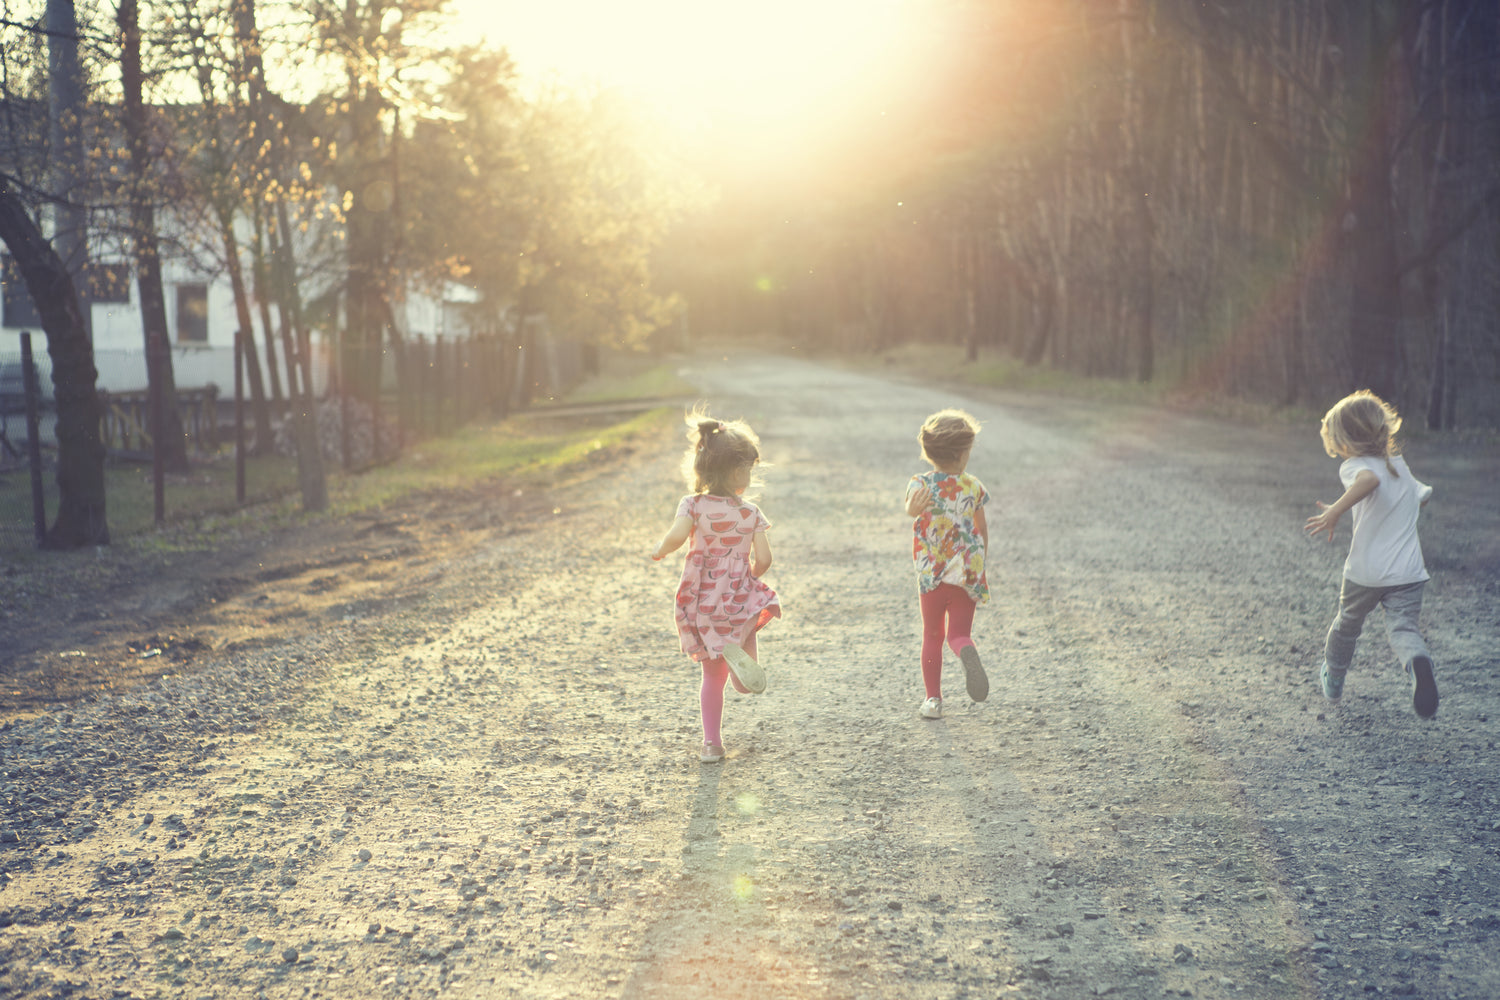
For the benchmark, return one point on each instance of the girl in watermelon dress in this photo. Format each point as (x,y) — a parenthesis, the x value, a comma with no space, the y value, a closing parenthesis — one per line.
(721,602)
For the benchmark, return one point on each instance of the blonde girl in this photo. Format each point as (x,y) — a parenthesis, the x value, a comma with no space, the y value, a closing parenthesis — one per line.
(949,538)
(1384,565)
(721,601)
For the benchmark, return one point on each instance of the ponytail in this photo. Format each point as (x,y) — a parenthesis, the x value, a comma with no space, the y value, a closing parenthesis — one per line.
(717,450)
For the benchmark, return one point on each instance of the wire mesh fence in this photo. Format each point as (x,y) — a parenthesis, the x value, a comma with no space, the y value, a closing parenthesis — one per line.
(430,386)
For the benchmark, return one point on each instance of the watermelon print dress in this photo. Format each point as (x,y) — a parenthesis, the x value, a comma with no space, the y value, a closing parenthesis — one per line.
(945,547)
(719,601)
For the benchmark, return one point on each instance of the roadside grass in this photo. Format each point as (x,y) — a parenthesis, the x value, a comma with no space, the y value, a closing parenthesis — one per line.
(946,362)
(523,448)
(629,377)
(937,362)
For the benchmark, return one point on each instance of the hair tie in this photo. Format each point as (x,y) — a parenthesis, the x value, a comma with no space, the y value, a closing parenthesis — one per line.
(719,426)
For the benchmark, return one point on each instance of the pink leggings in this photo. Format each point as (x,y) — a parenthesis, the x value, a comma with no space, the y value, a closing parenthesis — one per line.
(711,695)
(956,606)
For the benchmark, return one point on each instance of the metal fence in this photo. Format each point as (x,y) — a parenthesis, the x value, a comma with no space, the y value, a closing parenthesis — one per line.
(432,386)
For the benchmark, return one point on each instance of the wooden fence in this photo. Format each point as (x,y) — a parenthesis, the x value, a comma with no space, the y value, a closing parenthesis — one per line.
(125,419)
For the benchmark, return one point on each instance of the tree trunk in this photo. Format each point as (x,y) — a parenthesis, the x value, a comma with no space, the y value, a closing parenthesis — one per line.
(80,453)
(1044,309)
(366,236)
(971,305)
(525,356)
(1373,342)
(260,274)
(169,437)
(65,120)
(312,481)
(1437,394)
(261,410)
(280,292)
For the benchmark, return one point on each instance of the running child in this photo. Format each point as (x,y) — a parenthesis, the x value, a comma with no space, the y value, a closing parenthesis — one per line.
(1385,564)
(721,602)
(949,538)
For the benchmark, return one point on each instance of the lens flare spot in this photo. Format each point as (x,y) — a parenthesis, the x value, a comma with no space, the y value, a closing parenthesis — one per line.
(747,803)
(764,284)
(743,888)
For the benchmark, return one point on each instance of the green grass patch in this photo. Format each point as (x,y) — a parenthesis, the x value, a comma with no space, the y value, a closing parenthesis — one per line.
(130,495)
(523,449)
(631,377)
(947,362)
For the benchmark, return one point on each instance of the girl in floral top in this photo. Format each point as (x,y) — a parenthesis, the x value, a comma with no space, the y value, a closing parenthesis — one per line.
(950,536)
(721,602)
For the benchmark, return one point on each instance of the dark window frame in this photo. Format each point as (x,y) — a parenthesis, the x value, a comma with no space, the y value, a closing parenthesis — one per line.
(192,312)
(17,308)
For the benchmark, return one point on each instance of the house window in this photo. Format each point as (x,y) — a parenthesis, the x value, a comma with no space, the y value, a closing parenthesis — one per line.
(192,314)
(109,283)
(18,309)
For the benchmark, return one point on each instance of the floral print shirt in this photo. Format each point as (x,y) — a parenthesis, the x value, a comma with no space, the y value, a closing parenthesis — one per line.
(945,547)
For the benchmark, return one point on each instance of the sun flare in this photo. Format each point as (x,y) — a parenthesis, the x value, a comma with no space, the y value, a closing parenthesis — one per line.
(700,60)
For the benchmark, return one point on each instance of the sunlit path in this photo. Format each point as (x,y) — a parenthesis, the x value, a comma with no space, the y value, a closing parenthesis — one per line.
(494,791)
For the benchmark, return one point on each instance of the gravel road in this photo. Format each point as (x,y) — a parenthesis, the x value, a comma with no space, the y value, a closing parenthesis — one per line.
(485,783)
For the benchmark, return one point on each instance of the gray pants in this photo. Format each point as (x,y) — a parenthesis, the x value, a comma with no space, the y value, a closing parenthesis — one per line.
(1403,605)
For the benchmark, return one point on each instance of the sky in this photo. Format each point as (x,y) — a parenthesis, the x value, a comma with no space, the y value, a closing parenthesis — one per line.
(697,60)
(766,95)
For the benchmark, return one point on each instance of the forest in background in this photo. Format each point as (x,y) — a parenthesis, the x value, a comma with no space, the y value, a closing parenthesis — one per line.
(1280,201)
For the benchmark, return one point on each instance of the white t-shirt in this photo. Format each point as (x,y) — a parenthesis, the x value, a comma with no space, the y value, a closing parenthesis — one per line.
(1385,551)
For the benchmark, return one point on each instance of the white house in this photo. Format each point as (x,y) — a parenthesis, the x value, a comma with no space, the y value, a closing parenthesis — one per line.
(201,323)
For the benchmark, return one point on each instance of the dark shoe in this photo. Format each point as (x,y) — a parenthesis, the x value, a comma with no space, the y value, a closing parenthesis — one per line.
(1332,680)
(975,681)
(1424,695)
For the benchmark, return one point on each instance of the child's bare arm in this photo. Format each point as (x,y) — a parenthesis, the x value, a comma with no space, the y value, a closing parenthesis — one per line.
(982,527)
(917,501)
(1328,514)
(681,529)
(761,554)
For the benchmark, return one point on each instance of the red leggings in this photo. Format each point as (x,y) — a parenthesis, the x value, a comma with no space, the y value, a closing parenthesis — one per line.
(946,611)
(711,695)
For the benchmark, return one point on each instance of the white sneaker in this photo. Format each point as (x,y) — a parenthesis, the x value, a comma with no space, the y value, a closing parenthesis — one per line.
(744,668)
(932,708)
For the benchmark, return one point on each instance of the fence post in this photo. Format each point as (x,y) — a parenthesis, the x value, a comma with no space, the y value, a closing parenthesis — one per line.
(424,387)
(239,417)
(440,373)
(403,390)
(375,392)
(33,392)
(211,414)
(154,409)
(346,345)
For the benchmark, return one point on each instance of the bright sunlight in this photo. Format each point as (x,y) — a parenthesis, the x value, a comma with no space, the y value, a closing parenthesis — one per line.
(701,61)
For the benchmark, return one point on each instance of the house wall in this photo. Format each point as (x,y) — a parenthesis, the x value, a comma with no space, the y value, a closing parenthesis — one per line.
(119,339)
(119,343)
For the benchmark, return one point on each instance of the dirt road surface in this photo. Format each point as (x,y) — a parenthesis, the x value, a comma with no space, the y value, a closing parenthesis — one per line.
(463,762)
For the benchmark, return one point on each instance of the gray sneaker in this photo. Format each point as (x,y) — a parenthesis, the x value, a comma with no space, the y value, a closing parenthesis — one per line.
(975,681)
(744,667)
(1424,695)
(1332,680)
